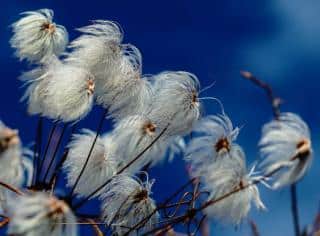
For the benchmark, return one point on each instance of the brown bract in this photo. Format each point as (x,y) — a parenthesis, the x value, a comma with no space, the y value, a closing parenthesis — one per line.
(140,196)
(303,149)
(90,86)
(149,128)
(222,145)
(50,27)
(8,138)
(57,207)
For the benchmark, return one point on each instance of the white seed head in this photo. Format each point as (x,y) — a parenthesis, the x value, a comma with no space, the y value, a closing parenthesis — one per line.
(176,101)
(36,37)
(98,49)
(11,155)
(136,133)
(63,92)
(224,179)
(125,202)
(285,144)
(101,166)
(39,214)
(116,68)
(124,92)
(213,142)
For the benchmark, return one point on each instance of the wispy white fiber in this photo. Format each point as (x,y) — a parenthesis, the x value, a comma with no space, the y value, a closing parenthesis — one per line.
(286,144)
(36,37)
(136,133)
(126,202)
(116,68)
(97,49)
(39,214)
(61,92)
(176,101)
(102,164)
(213,142)
(226,178)
(11,169)
(125,92)
(14,162)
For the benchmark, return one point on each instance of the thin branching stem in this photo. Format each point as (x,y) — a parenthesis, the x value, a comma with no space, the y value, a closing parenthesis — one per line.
(162,229)
(103,117)
(191,213)
(11,188)
(95,226)
(275,103)
(161,206)
(121,170)
(119,210)
(179,205)
(46,150)
(55,152)
(64,156)
(186,202)
(200,225)
(254,228)
(294,209)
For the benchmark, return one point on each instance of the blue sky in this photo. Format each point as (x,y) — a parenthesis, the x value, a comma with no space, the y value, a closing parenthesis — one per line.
(279,41)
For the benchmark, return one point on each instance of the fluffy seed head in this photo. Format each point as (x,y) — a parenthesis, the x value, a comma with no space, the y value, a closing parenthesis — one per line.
(36,37)
(11,156)
(213,142)
(62,92)
(101,166)
(8,138)
(39,214)
(224,179)
(176,101)
(136,133)
(124,92)
(97,49)
(285,147)
(116,68)
(126,201)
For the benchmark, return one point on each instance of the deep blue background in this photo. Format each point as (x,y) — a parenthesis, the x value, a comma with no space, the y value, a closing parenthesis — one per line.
(277,40)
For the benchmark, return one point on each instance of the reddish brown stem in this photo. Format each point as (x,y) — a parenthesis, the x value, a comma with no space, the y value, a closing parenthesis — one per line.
(95,227)
(254,228)
(11,188)
(275,101)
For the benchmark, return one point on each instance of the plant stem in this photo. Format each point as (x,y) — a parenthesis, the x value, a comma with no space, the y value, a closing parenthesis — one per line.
(121,170)
(11,188)
(90,152)
(55,153)
(46,150)
(294,209)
